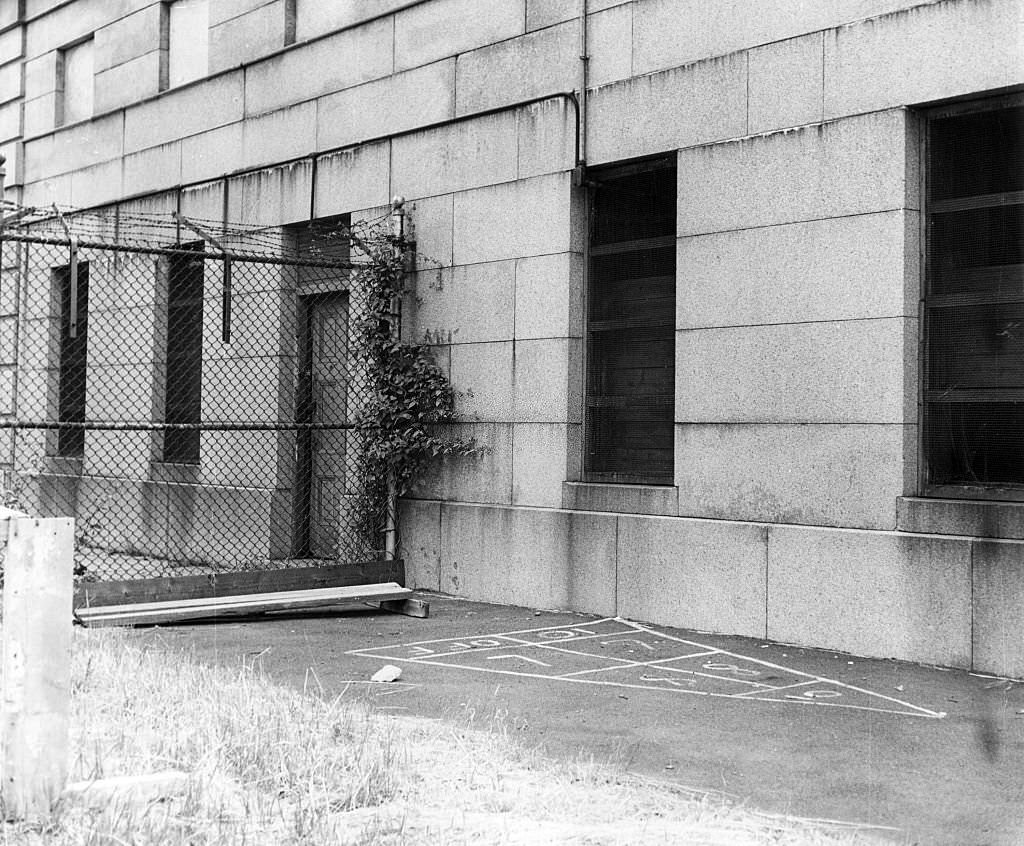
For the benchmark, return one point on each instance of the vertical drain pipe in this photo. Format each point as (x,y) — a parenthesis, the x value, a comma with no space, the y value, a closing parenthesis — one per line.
(581,152)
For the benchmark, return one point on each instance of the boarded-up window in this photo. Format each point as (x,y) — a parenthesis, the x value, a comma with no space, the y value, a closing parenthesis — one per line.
(74,333)
(974,303)
(75,81)
(631,324)
(184,377)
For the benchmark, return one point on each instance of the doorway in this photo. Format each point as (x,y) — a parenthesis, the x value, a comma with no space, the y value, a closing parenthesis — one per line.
(322,400)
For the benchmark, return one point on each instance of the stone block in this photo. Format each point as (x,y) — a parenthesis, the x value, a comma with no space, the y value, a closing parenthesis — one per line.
(47,191)
(242,39)
(275,196)
(852,371)
(817,474)
(119,392)
(125,455)
(544,13)
(40,75)
(546,380)
(10,120)
(851,166)
(876,594)
(539,462)
(14,151)
(184,111)
(313,17)
(387,106)
(212,154)
(925,53)
(668,110)
(536,558)
(549,296)
(127,38)
(465,304)
(220,525)
(693,574)
(610,45)
(256,389)
(461,155)
(547,138)
(430,223)
(39,115)
(10,82)
(998,607)
(972,518)
(203,202)
(123,335)
(127,83)
(623,499)
(677,32)
(419,543)
(8,340)
(432,31)
(846,268)
(281,135)
(10,44)
(7,405)
(93,186)
(248,459)
(152,169)
(341,60)
(484,477)
(353,179)
(75,147)
(786,84)
(530,217)
(482,375)
(530,66)
(225,10)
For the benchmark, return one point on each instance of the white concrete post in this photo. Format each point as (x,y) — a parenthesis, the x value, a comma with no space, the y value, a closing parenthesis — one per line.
(37,620)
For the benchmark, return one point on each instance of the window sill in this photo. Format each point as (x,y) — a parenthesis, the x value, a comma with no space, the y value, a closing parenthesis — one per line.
(662,501)
(62,465)
(182,474)
(973,518)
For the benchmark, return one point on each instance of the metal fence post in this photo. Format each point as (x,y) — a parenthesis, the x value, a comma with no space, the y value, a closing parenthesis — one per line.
(37,609)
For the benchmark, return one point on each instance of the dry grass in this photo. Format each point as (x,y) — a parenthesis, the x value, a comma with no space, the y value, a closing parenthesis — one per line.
(270,765)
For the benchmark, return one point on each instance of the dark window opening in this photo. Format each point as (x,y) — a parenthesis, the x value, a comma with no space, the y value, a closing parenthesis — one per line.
(974,304)
(73,355)
(183,391)
(631,325)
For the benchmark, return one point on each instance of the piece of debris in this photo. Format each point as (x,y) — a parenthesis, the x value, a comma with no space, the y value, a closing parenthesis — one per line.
(139,789)
(387,673)
(899,687)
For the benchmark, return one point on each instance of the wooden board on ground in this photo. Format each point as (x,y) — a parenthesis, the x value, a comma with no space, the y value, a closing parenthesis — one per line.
(149,613)
(174,588)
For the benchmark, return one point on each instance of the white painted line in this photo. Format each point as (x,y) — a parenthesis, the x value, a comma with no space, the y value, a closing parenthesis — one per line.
(751,694)
(517,657)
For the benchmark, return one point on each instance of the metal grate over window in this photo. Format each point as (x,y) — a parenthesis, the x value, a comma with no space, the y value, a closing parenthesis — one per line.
(631,324)
(974,303)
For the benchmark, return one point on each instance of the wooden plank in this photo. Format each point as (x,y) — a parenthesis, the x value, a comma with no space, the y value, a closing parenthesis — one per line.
(166,612)
(174,588)
(36,664)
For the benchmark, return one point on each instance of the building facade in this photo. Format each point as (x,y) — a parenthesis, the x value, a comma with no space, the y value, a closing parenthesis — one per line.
(733,299)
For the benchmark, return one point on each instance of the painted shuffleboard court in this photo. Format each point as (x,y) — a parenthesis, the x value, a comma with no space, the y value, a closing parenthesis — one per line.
(620,653)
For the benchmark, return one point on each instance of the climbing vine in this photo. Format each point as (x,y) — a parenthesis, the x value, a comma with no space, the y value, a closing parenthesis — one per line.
(410,398)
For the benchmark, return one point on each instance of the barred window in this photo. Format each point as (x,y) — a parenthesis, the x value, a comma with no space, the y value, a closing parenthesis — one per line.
(974,302)
(184,375)
(631,324)
(74,332)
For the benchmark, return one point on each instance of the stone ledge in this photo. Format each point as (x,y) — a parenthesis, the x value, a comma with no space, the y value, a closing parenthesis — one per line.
(969,518)
(622,499)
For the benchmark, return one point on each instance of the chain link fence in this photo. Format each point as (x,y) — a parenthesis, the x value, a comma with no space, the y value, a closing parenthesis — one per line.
(189,392)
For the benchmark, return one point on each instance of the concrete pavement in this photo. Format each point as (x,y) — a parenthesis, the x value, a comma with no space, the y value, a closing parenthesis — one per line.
(928,755)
